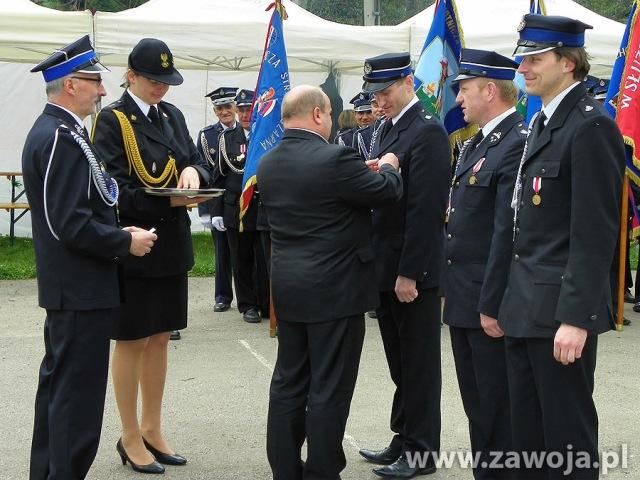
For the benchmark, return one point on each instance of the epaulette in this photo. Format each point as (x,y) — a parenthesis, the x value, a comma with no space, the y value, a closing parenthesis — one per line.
(589,107)
(115,104)
(210,127)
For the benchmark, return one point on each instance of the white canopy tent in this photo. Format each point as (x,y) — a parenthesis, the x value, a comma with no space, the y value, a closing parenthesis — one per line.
(492,25)
(220,42)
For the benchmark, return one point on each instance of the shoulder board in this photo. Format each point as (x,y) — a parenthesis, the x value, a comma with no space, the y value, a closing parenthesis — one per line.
(210,127)
(167,104)
(114,104)
(588,107)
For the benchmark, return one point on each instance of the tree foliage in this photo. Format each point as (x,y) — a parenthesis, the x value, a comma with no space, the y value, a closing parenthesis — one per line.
(350,12)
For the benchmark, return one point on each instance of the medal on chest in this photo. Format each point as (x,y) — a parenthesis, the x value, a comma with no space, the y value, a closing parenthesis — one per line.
(473,179)
(537,186)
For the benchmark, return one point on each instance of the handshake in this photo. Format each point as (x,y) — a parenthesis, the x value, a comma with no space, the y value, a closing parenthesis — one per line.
(215,222)
(387,158)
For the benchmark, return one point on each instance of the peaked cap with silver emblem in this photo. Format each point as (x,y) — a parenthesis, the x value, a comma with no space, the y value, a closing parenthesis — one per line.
(382,71)
(78,56)
(541,33)
(485,63)
(361,102)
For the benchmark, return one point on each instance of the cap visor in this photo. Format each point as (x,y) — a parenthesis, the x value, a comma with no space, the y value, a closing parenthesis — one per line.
(522,51)
(173,78)
(95,68)
(372,87)
(463,77)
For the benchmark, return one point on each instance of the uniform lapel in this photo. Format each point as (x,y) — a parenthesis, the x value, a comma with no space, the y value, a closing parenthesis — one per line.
(392,136)
(557,120)
(142,123)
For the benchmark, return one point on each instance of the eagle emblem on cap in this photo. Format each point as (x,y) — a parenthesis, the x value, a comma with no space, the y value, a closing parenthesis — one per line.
(243,95)
(522,24)
(164,60)
(367,68)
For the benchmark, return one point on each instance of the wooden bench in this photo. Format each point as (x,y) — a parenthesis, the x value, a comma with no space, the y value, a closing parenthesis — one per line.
(16,193)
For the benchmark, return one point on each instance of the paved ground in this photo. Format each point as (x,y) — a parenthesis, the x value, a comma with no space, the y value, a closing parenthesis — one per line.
(216,395)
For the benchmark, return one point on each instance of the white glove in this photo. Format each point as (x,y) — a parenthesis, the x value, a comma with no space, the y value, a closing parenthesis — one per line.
(218,224)
(205,220)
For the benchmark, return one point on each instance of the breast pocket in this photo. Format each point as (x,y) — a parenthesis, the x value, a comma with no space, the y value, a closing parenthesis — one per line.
(549,184)
(477,190)
(547,279)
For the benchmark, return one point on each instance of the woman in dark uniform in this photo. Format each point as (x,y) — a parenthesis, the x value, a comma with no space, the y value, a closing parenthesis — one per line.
(145,143)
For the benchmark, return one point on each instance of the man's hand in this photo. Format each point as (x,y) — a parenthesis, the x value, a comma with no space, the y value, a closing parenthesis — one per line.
(189,178)
(372,164)
(389,159)
(141,241)
(490,326)
(568,343)
(218,224)
(406,289)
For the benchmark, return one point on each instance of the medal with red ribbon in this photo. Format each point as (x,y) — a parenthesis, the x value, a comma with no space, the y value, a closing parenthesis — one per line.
(473,179)
(537,186)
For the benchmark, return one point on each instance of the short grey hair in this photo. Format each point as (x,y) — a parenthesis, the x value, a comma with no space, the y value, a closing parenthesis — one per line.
(54,87)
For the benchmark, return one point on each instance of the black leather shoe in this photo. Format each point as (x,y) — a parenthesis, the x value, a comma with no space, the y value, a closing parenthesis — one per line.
(401,469)
(626,322)
(175,335)
(153,467)
(221,307)
(251,316)
(628,297)
(166,458)
(636,307)
(386,456)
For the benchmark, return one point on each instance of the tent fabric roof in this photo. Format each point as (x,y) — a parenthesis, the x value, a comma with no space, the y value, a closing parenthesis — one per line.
(492,25)
(222,35)
(29,32)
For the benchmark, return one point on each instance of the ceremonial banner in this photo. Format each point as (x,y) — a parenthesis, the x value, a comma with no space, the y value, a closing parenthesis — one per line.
(623,96)
(529,104)
(436,69)
(266,124)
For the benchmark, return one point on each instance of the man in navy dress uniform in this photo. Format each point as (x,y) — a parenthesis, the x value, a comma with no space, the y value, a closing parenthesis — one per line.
(408,237)
(558,297)
(478,248)
(224,107)
(78,246)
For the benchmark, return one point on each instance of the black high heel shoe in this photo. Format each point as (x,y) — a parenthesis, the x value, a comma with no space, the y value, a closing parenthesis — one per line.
(153,467)
(166,458)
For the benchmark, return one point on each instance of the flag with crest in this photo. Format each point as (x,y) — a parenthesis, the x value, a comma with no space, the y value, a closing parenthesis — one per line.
(436,69)
(273,83)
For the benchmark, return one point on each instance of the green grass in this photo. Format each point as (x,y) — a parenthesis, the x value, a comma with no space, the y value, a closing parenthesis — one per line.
(17,262)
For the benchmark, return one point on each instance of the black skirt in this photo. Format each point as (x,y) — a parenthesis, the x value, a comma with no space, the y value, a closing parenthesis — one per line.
(152,305)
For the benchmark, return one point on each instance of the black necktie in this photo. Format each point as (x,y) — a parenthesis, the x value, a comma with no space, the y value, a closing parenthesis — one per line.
(478,138)
(154,116)
(539,126)
(388,125)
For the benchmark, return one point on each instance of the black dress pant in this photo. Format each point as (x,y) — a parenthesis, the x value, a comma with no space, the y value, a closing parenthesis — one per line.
(310,397)
(223,292)
(482,378)
(250,282)
(411,337)
(552,405)
(70,398)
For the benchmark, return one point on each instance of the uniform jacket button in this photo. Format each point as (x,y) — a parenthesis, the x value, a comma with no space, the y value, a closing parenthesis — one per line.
(593,317)
(516,257)
(449,261)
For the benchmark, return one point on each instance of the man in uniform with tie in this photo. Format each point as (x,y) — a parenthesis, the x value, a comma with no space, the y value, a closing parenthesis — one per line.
(558,297)
(224,107)
(78,246)
(228,172)
(478,248)
(408,238)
